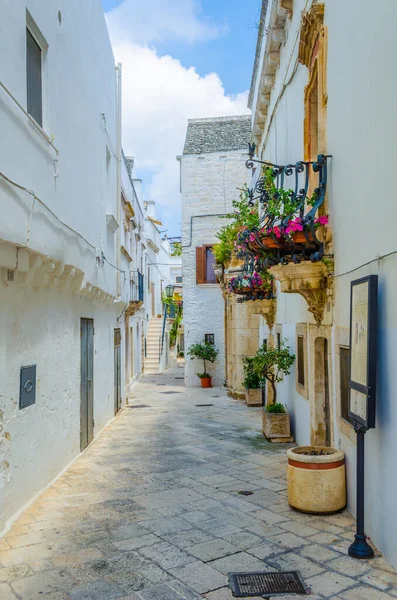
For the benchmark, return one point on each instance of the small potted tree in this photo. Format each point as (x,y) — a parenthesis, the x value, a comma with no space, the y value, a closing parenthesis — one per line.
(207,353)
(252,383)
(271,364)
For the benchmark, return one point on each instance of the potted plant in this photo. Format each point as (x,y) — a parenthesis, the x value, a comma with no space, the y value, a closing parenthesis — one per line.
(252,383)
(207,353)
(301,232)
(271,364)
(255,284)
(316,479)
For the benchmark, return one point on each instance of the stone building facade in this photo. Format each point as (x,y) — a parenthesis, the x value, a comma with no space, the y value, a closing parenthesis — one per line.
(212,170)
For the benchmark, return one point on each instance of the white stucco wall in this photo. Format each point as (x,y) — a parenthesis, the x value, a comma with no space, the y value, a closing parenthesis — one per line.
(361,133)
(45,291)
(209,183)
(42,327)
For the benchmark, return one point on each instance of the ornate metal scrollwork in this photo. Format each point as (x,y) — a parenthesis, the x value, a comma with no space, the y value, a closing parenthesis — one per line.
(295,179)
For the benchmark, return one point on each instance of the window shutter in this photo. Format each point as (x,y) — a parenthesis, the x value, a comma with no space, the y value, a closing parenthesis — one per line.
(200,264)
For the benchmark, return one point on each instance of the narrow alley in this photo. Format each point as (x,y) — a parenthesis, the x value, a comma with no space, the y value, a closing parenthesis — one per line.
(178,491)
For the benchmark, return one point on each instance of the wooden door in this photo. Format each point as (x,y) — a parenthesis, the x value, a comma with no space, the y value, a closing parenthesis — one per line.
(117,370)
(86,383)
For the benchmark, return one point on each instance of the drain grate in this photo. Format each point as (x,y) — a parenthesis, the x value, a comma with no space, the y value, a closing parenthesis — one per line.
(179,378)
(204,405)
(137,406)
(258,584)
(170,392)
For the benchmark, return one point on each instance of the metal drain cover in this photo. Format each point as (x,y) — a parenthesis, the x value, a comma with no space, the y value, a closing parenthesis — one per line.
(204,405)
(137,406)
(170,392)
(259,584)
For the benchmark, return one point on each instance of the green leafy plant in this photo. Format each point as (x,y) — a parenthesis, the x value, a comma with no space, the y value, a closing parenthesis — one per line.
(243,216)
(252,380)
(176,249)
(205,352)
(175,326)
(272,364)
(275,408)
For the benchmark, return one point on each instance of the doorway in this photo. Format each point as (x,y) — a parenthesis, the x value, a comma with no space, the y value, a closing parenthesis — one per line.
(86,382)
(322,413)
(132,358)
(117,370)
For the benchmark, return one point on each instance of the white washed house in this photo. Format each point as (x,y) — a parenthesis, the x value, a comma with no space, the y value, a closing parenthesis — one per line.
(212,170)
(322,84)
(62,277)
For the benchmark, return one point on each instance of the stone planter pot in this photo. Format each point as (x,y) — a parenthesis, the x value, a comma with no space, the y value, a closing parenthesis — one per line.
(316,484)
(253,397)
(276,426)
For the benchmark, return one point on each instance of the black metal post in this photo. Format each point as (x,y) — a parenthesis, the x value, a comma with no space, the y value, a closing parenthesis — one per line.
(360,547)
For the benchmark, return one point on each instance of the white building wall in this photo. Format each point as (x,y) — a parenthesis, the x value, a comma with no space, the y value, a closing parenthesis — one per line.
(209,184)
(361,134)
(58,274)
(42,327)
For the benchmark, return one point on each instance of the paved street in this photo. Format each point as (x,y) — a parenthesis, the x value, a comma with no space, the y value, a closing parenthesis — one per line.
(152,511)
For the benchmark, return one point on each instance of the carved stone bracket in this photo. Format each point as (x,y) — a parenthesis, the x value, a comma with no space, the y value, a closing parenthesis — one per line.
(266,308)
(310,280)
(133,307)
(311,24)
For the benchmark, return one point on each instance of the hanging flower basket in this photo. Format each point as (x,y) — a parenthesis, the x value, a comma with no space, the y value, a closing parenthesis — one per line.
(255,285)
(299,237)
(269,242)
(301,232)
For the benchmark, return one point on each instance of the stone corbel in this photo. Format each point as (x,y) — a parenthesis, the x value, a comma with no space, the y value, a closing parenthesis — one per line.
(266,308)
(308,279)
(285,8)
(133,307)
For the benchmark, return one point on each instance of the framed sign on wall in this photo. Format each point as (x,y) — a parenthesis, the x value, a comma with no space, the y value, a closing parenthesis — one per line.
(363,351)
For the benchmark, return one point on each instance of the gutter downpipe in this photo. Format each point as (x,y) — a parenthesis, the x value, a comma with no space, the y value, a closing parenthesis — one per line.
(118,176)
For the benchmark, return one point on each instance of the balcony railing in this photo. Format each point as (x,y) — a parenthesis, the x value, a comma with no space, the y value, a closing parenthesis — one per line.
(137,287)
(290,198)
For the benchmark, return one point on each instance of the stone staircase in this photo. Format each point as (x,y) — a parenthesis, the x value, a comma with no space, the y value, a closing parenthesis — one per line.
(152,345)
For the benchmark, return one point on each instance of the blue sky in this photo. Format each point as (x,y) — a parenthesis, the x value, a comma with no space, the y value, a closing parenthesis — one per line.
(220,38)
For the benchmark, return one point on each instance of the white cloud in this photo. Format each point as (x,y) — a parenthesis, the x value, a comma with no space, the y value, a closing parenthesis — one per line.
(150,21)
(159,96)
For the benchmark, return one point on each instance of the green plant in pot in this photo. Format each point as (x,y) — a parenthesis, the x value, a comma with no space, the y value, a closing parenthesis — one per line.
(207,353)
(252,383)
(272,364)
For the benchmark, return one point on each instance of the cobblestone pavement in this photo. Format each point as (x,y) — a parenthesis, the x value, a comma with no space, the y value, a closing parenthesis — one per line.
(152,511)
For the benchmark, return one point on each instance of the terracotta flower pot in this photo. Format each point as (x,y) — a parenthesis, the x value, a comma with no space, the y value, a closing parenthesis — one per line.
(269,242)
(206,382)
(299,237)
(316,483)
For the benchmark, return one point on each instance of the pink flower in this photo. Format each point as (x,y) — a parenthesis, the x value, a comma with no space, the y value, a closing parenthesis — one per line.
(277,231)
(252,237)
(322,220)
(294,225)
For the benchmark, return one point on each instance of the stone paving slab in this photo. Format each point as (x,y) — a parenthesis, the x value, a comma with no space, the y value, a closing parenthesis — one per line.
(152,511)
